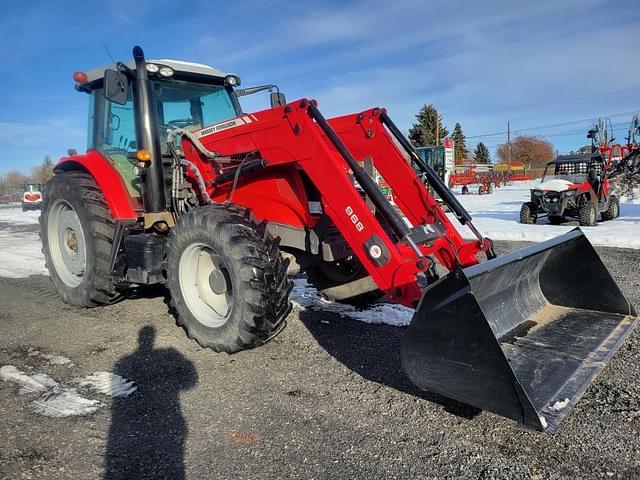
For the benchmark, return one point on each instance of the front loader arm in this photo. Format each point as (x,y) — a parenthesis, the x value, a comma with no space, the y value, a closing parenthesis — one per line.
(297,135)
(365,135)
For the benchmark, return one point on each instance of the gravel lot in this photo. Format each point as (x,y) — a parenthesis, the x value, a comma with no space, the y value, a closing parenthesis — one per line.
(325,399)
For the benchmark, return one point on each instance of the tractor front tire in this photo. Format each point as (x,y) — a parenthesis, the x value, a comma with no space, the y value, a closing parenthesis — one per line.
(587,214)
(613,211)
(528,213)
(227,278)
(77,231)
(465,190)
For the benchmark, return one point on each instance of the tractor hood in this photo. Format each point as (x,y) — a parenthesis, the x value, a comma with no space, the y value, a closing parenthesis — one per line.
(555,185)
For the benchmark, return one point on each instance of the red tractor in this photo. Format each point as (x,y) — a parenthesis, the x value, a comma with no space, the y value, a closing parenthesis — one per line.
(573,186)
(181,187)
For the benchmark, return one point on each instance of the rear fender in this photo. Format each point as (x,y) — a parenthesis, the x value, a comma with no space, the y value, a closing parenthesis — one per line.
(108,179)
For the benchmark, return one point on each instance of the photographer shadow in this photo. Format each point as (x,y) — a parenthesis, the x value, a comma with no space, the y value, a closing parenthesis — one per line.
(148,430)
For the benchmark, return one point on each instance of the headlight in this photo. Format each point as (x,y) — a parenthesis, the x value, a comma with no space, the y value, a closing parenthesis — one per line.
(232,80)
(166,71)
(537,193)
(152,67)
(569,193)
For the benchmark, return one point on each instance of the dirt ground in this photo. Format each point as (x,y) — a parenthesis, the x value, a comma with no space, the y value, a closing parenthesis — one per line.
(325,399)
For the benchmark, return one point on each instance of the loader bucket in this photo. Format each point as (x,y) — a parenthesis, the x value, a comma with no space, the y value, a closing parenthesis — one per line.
(521,335)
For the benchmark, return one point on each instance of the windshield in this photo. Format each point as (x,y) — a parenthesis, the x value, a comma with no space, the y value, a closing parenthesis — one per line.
(575,172)
(192,105)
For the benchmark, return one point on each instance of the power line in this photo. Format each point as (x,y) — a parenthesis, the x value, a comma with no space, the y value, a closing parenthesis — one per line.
(554,125)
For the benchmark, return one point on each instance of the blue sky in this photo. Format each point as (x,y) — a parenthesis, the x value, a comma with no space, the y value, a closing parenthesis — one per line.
(480,62)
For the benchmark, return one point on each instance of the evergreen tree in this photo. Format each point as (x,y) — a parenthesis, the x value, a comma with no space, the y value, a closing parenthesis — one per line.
(428,129)
(460,147)
(481,154)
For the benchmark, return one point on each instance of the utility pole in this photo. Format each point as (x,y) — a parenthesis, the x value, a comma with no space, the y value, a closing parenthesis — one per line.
(437,132)
(509,146)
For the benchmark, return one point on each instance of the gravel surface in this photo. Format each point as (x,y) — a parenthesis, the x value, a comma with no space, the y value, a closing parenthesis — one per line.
(325,399)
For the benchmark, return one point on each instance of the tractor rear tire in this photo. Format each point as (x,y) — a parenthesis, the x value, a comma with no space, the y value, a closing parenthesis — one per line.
(227,278)
(528,213)
(587,214)
(327,275)
(613,211)
(77,231)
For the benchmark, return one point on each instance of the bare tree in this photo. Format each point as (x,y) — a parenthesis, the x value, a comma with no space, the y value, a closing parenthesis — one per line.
(531,151)
(44,172)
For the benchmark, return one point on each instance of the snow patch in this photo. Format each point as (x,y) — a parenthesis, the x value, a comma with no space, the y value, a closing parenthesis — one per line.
(28,383)
(306,296)
(58,401)
(58,360)
(52,359)
(109,384)
(66,403)
(555,185)
(543,421)
(21,251)
(559,405)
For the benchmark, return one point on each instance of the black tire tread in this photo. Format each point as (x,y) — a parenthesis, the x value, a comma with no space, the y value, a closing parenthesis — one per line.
(611,212)
(527,213)
(584,213)
(262,273)
(101,291)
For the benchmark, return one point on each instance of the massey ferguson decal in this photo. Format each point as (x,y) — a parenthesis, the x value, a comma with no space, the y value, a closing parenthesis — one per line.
(225,125)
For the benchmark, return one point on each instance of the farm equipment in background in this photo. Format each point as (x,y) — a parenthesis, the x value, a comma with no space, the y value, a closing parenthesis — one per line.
(486,181)
(180,187)
(31,196)
(439,158)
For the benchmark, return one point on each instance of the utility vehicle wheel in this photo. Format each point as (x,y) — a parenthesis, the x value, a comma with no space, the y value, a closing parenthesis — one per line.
(490,189)
(465,190)
(613,211)
(528,213)
(326,276)
(555,219)
(76,229)
(587,214)
(481,190)
(228,281)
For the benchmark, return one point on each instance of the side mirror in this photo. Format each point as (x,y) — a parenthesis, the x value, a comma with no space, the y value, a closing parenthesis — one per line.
(277,99)
(116,87)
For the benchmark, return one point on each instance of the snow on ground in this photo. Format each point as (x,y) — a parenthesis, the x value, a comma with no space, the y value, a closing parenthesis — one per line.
(306,296)
(109,384)
(497,216)
(20,247)
(56,400)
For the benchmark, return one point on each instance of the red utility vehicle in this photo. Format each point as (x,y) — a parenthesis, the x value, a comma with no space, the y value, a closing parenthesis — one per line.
(573,186)
(31,196)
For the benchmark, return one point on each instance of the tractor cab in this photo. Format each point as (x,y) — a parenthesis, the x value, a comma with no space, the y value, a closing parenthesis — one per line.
(185,95)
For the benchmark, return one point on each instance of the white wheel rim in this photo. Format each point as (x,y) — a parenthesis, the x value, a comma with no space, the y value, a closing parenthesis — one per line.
(197,265)
(67,245)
